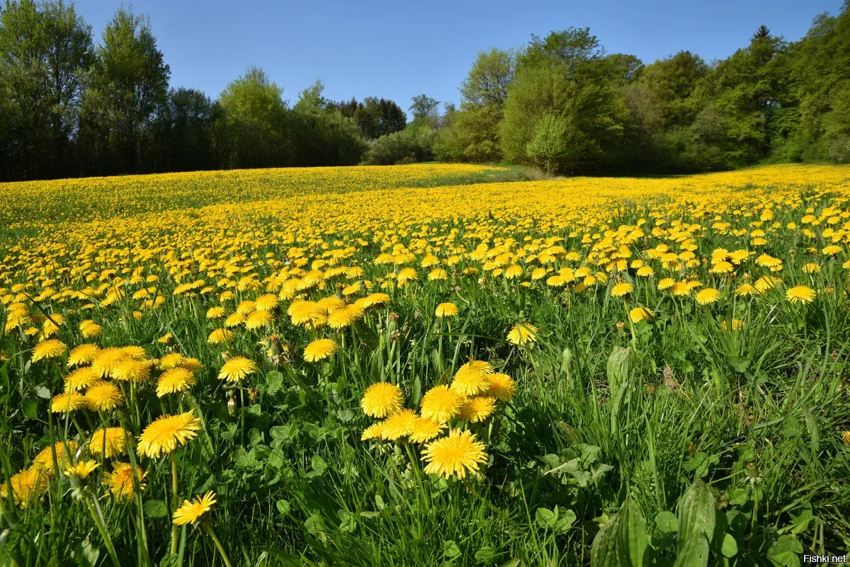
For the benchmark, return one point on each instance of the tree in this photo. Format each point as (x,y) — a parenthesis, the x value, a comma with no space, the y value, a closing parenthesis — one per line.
(379,117)
(548,145)
(320,133)
(184,134)
(818,65)
(256,117)
(424,108)
(566,75)
(128,83)
(44,52)
(487,82)
(483,95)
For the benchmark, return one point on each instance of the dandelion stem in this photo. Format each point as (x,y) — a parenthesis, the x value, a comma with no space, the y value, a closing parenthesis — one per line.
(209,529)
(176,500)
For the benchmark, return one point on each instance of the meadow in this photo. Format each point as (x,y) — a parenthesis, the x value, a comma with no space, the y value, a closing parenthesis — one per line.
(425,365)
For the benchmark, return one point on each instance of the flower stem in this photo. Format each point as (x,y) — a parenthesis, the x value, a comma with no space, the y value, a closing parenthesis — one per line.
(176,500)
(208,528)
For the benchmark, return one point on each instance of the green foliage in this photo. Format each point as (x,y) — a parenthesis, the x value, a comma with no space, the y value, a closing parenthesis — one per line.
(567,78)
(68,108)
(414,144)
(256,116)
(129,80)
(548,145)
(45,51)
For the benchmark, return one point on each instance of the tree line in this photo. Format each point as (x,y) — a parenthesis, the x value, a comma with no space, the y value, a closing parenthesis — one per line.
(72,107)
(566,105)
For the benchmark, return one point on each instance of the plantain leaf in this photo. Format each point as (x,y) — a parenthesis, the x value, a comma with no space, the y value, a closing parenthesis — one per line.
(632,537)
(603,552)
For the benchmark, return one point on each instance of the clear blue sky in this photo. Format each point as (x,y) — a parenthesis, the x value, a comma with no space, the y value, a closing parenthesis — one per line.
(399,49)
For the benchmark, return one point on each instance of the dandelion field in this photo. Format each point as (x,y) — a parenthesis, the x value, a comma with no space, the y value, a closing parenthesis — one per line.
(425,365)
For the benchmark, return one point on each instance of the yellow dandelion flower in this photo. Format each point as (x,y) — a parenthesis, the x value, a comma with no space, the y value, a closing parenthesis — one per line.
(522,334)
(745,290)
(82,354)
(441,404)
(374,431)
(258,319)
(25,485)
(382,399)
(375,299)
(90,329)
(48,349)
(622,289)
(457,454)
(425,429)
(800,294)
(174,380)
(406,275)
(64,451)
(68,402)
(81,378)
(477,409)
(131,370)
(219,336)
(120,481)
(319,350)
(513,272)
(191,364)
(398,425)
(216,312)
(446,310)
(190,512)
(707,296)
(502,387)
(167,433)
(639,314)
(245,307)
(170,360)
(472,378)
(343,317)
(236,369)
(104,396)
(81,469)
(234,320)
(109,442)
(267,302)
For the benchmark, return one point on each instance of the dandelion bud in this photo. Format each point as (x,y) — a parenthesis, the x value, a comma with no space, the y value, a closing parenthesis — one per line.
(231,405)
(252,394)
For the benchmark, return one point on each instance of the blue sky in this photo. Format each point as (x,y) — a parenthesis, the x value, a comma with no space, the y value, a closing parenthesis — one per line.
(400,49)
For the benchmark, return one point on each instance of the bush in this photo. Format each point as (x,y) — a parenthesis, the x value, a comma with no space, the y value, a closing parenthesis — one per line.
(407,146)
(839,150)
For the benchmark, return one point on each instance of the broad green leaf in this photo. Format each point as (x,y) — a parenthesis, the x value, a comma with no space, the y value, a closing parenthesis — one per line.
(155,509)
(632,537)
(696,514)
(603,551)
(667,522)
